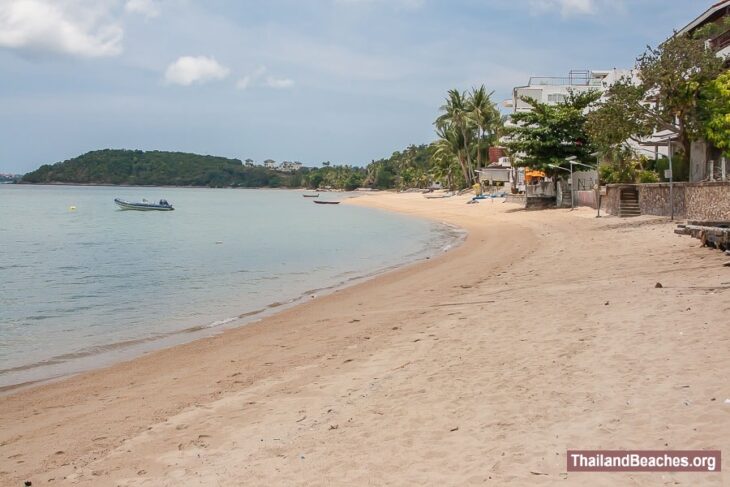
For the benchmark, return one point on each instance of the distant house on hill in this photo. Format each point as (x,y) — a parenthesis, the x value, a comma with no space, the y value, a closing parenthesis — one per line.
(248,163)
(270,164)
(288,166)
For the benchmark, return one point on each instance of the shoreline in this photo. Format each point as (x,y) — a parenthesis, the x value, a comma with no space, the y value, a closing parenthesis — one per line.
(107,355)
(476,366)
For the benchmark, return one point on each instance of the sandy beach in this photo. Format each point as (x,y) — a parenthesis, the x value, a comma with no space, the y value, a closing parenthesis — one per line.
(545,331)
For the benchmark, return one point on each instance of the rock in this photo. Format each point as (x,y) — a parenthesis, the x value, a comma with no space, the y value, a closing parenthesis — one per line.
(658,285)
(727,264)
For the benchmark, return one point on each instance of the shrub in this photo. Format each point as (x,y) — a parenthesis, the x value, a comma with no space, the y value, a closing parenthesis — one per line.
(646,176)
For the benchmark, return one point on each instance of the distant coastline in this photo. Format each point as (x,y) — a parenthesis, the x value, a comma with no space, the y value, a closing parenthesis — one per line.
(410,168)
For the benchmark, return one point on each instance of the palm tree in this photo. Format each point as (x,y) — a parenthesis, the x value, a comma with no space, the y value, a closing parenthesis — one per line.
(484,114)
(451,144)
(456,116)
(444,163)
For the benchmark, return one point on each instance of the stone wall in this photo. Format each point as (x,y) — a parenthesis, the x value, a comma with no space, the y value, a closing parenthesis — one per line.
(654,199)
(610,200)
(708,201)
(693,201)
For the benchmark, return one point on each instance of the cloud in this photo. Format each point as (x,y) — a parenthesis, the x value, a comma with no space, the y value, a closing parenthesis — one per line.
(78,28)
(400,4)
(148,8)
(279,83)
(250,79)
(188,70)
(253,79)
(567,8)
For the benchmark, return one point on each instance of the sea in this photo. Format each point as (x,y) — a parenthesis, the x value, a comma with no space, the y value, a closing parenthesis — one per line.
(84,284)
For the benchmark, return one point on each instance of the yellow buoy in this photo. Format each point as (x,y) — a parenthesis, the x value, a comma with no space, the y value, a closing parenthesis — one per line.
(71,208)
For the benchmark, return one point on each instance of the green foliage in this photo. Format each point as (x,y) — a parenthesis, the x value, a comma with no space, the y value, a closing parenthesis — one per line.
(646,176)
(622,165)
(548,134)
(667,96)
(158,168)
(150,168)
(621,116)
(712,29)
(680,167)
(716,109)
(402,170)
(409,168)
(335,177)
(674,74)
(469,123)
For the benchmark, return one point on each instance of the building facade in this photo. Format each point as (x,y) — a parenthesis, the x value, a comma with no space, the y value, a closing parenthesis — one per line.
(553,90)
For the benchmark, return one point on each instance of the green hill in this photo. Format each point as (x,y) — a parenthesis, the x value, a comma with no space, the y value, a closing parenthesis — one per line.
(137,167)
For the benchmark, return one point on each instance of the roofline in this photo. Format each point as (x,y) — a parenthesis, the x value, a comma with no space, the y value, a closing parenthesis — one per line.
(707,13)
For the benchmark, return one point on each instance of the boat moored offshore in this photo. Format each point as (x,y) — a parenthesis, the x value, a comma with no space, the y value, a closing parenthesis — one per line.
(143,205)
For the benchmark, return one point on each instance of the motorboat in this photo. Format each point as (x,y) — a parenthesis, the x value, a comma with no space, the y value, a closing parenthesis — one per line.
(143,205)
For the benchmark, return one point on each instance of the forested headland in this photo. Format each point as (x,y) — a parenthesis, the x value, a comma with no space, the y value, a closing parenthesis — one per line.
(160,168)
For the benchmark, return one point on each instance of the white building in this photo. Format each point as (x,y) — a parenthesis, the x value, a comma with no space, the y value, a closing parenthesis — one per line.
(288,166)
(270,164)
(553,90)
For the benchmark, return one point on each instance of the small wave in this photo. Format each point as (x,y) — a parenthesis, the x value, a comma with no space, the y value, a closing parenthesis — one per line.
(222,322)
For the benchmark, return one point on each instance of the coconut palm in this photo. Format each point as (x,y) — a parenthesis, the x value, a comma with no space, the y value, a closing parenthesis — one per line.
(455,118)
(484,114)
(451,144)
(444,163)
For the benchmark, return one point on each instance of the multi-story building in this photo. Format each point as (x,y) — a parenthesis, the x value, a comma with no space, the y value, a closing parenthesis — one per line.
(553,90)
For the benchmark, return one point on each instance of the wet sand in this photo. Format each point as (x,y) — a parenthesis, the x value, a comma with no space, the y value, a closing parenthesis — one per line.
(543,332)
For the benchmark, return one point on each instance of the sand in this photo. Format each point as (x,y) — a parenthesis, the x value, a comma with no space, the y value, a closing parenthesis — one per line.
(543,332)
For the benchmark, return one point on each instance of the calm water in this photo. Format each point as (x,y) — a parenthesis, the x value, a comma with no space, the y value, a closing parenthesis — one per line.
(81,288)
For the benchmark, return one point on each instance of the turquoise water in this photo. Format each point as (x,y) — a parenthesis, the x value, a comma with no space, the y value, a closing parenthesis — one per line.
(82,288)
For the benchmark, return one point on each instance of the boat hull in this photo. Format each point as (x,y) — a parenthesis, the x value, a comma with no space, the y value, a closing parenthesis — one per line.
(126,205)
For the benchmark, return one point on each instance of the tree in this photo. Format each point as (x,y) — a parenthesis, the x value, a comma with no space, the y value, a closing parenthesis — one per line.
(486,117)
(622,116)
(716,109)
(548,134)
(456,122)
(444,164)
(666,95)
(451,144)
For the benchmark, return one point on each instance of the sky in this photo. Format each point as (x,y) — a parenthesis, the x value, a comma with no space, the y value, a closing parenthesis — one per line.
(346,81)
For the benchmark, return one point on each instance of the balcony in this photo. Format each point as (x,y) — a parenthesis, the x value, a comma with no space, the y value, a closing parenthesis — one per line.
(720,42)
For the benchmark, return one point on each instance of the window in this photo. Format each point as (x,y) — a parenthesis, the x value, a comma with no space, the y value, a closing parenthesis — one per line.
(556,98)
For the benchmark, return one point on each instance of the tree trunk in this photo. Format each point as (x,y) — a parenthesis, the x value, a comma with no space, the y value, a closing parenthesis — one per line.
(470,169)
(479,148)
(464,170)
